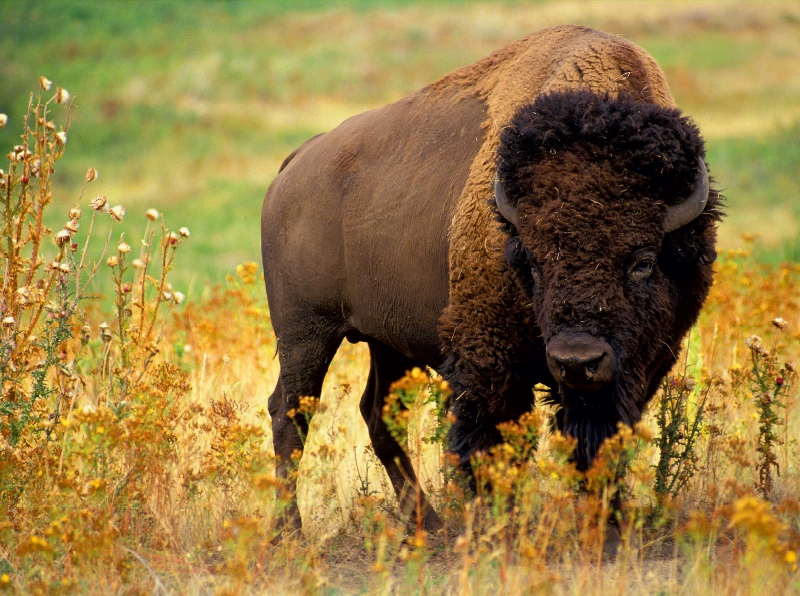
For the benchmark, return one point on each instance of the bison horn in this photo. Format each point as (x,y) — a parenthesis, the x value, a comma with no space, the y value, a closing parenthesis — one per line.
(683,213)
(506,209)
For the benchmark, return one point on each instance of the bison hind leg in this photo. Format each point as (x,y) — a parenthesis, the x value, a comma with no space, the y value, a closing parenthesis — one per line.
(304,361)
(386,367)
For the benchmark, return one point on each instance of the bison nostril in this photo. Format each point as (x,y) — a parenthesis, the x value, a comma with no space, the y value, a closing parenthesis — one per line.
(592,368)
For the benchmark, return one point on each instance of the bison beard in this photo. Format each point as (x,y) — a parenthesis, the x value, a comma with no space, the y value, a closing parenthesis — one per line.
(546,154)
(591,424)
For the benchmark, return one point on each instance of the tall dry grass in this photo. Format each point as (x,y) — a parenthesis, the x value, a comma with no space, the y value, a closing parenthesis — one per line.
(136,453)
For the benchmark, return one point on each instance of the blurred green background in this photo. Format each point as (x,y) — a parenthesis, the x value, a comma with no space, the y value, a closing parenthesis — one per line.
(190,107)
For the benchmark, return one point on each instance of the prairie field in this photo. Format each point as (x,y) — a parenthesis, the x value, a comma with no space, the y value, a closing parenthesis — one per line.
(137,353)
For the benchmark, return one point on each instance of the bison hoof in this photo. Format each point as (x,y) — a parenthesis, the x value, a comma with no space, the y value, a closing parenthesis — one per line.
(289,521)
(430,522)
(612,542)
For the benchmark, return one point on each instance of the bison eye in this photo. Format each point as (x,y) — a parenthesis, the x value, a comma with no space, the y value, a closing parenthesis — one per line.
(643,265)
(535,273)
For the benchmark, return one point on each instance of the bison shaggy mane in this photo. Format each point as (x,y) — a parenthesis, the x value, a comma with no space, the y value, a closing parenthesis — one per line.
(655,148)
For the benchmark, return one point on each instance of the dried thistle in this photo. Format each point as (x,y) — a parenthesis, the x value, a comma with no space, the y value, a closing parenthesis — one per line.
(117,213)
(780,323)
(62,237)
(98,203)
(62,95)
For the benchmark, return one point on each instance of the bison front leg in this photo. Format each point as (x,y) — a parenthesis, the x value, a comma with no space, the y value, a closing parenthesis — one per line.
(494,357)
(478,413)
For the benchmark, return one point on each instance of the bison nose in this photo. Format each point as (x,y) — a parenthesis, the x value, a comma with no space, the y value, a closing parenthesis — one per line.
(580,361)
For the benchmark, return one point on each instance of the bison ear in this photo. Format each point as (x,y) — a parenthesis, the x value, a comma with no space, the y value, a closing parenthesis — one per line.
(504,206)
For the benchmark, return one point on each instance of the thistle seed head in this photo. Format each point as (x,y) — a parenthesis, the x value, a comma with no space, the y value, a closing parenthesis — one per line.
(780,322)
(117,213)
(63,237)
(98,202)
(62,95)
(755,344)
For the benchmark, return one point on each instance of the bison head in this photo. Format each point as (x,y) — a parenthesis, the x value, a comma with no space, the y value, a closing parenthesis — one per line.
(612,228)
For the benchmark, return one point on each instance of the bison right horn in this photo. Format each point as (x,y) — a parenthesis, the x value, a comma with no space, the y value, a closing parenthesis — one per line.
(685,212)
(506,209)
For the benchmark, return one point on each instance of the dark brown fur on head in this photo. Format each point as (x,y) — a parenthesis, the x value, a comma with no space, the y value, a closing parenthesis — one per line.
(592,178)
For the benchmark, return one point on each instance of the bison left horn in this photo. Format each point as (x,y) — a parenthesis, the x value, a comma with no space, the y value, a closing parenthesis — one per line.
(506,209)
(683,213)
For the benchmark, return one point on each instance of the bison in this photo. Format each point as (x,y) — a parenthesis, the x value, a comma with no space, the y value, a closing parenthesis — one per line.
(543,215)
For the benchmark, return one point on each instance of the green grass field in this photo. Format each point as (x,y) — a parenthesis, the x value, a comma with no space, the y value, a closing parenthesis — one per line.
(190,107)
